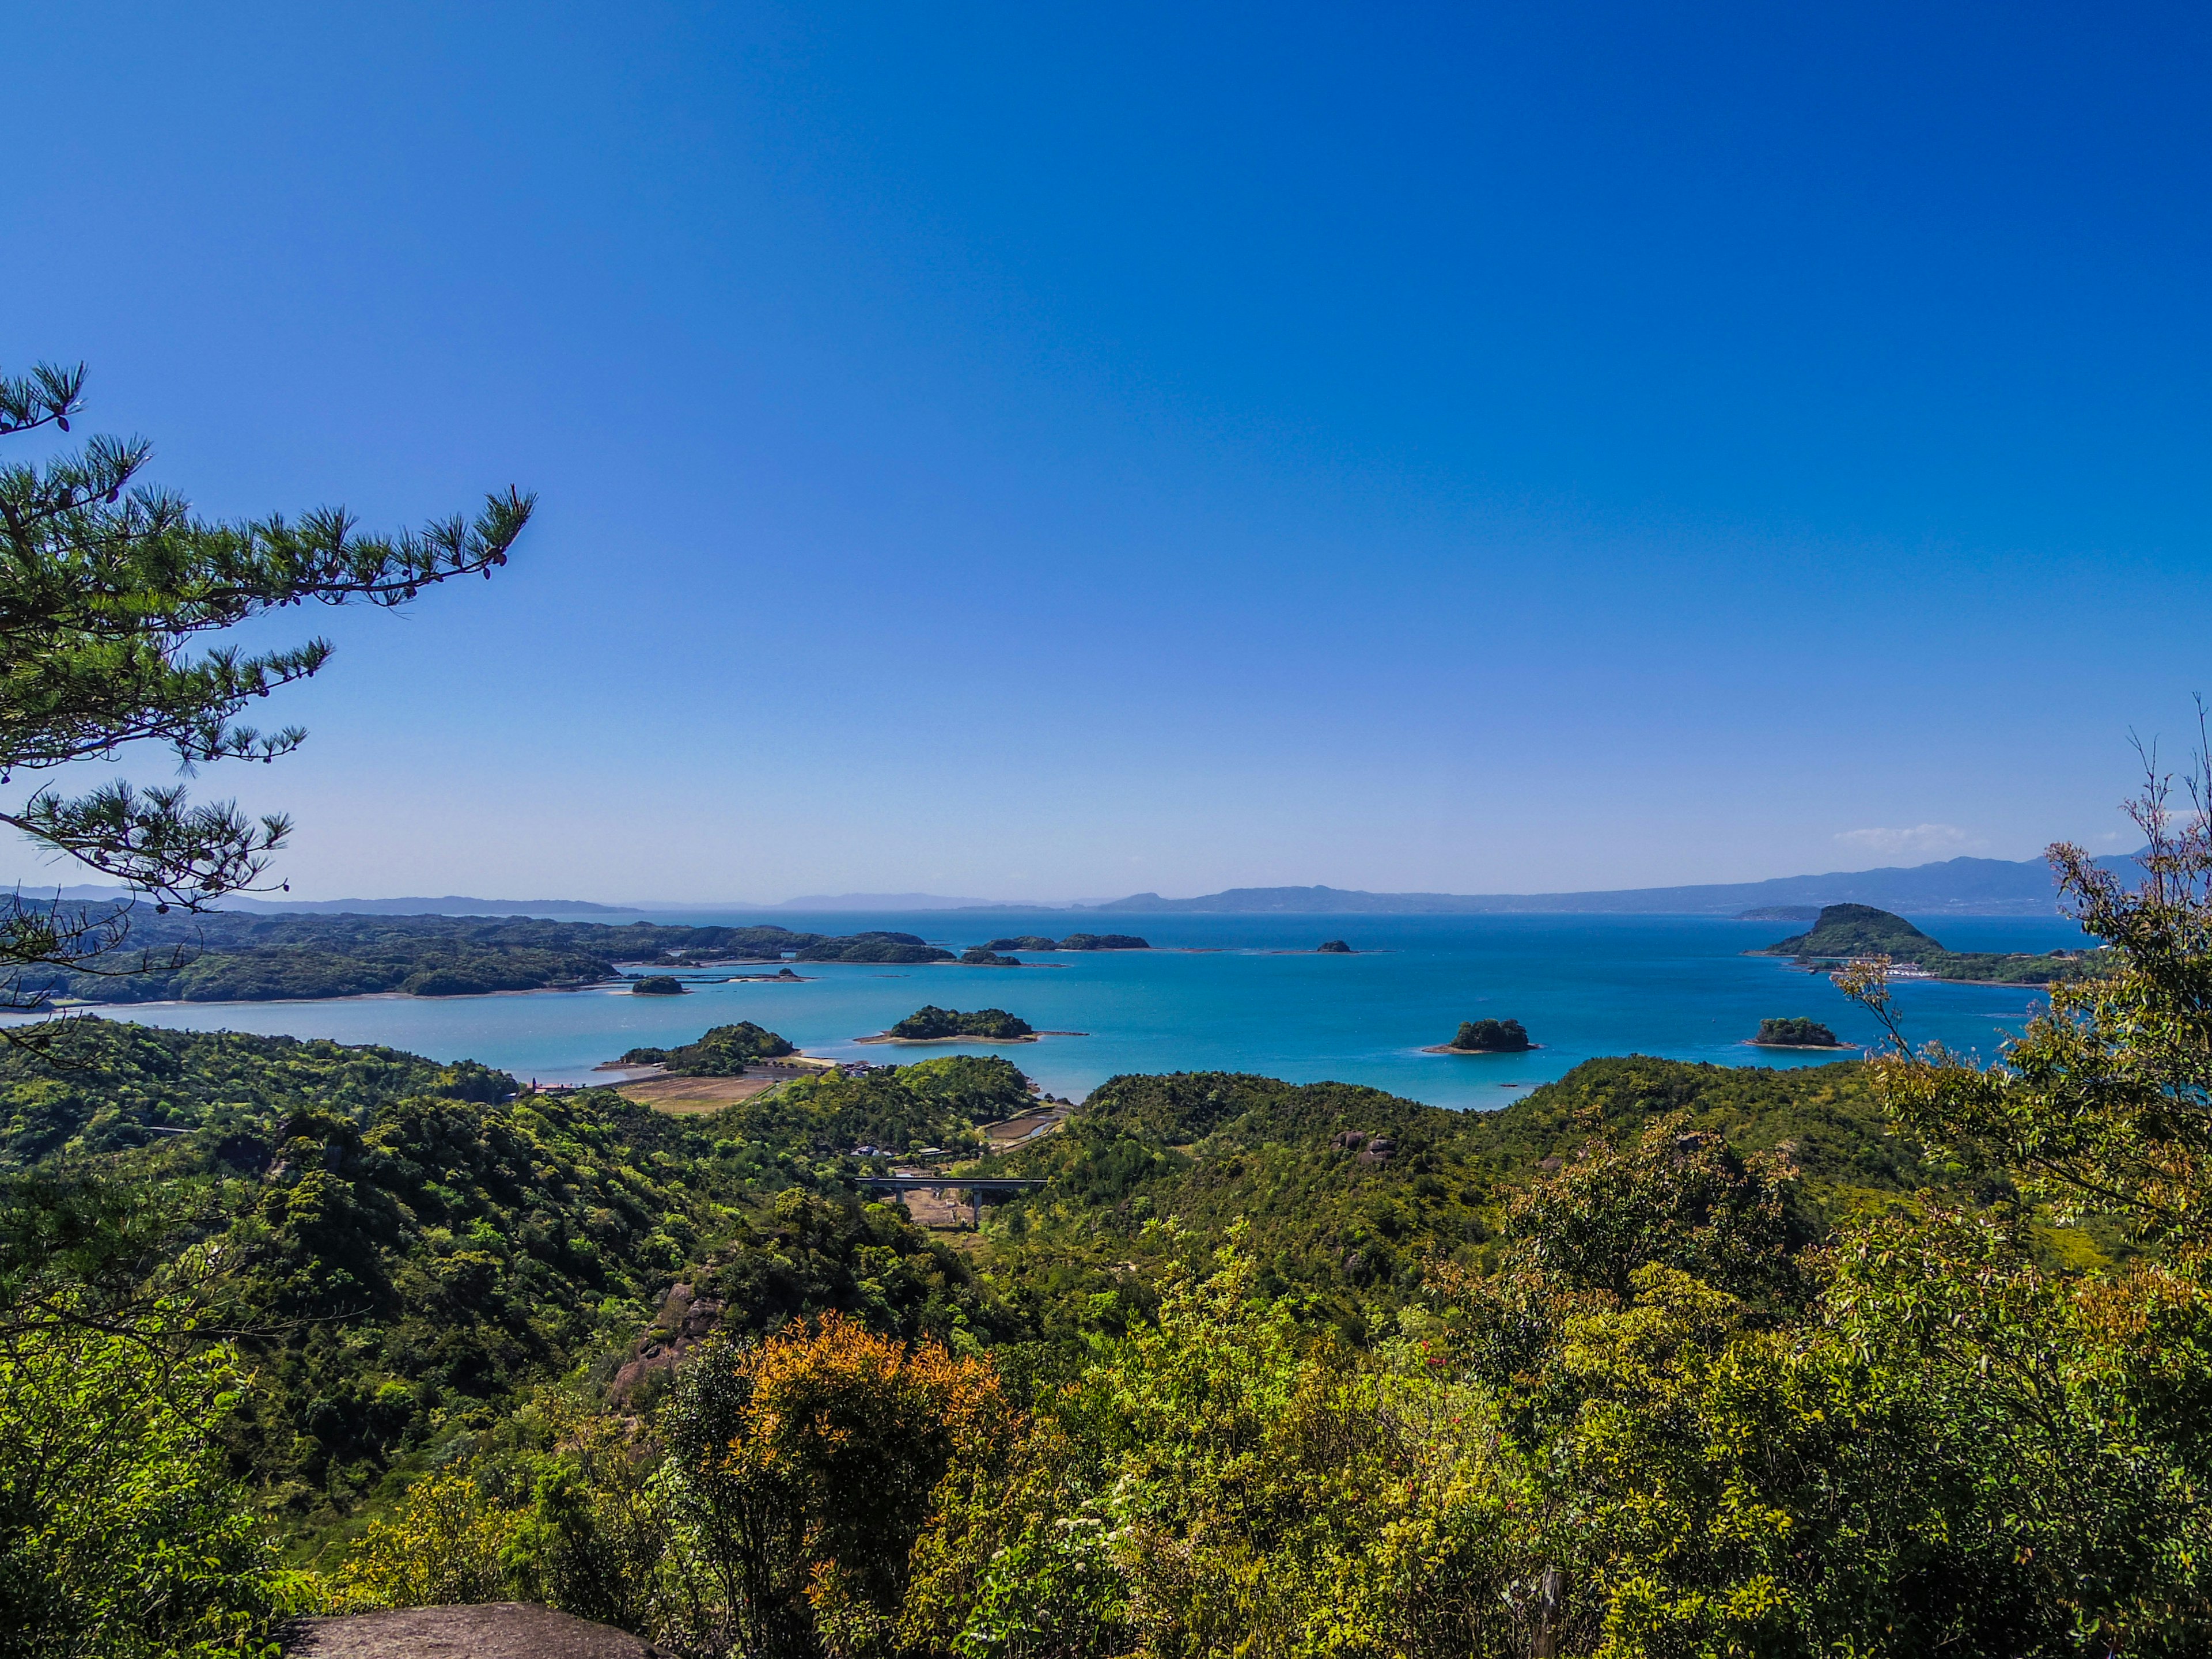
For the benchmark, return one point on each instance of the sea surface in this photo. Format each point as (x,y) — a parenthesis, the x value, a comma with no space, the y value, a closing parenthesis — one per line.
(1245,994)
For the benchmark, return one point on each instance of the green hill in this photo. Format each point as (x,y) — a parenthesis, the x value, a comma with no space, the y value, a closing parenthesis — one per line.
(1845,931)
(1858,930)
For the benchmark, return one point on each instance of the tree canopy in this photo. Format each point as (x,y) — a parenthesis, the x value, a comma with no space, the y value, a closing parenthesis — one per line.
(114,599)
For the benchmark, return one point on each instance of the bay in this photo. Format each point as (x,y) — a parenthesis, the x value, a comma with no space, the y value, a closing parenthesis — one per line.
(1245,994)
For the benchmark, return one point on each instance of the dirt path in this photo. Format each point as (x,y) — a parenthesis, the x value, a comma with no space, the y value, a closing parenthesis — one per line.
(502,1630)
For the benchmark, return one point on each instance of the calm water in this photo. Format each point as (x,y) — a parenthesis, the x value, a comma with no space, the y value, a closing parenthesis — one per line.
(1238,994)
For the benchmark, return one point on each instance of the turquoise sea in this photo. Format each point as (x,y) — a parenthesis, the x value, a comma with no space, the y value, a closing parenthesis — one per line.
(1225,992)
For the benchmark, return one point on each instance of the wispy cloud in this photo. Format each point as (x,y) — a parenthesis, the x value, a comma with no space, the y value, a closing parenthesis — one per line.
(1920,838)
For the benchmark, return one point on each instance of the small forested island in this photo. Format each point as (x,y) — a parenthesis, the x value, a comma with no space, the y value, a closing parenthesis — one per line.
(935,1024)
(1487,1036)
(1847,933)
(1024,942)
(723,1051)
(1104,942)
(1333,947)
(873,947)
(987,956)
(1796,1034)
(658,985)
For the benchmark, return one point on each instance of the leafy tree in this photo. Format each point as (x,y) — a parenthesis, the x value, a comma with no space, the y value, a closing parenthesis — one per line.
(121,1533)
(109,588)
(807,1463)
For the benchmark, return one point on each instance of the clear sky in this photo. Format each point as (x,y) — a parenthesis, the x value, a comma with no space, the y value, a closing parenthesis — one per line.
(1044,452)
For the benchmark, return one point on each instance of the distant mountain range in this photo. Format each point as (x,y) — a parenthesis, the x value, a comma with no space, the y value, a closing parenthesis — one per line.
(1963,886)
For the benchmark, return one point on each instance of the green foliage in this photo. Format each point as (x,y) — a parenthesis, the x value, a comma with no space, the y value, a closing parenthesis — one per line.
(980,957)
(932,1021)
(938,1103)
(1098,942)
(1798,1033)
(108,585)
(1492,1036)
(1023,942)
(656,985)
(120,1531)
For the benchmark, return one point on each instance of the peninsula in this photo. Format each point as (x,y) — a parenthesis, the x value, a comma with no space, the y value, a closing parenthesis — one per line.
(1851,933)
(722,1051)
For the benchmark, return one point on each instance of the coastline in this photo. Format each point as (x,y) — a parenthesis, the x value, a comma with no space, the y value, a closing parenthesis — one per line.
(1447,1048)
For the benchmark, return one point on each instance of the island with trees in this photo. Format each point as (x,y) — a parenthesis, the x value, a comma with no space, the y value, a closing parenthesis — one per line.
(1796,1034)
(985,956)
(1333,947)
(722,1051)
(1023,942)
(1858,932)
(930,1023)
(1104,942)
(1487,1037)
(658,985)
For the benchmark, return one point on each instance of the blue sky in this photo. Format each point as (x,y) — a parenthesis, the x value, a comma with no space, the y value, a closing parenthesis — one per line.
(1000,450)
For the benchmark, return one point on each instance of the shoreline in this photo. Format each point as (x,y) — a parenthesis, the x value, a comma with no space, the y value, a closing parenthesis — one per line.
(1447,1048)
(1808,1048)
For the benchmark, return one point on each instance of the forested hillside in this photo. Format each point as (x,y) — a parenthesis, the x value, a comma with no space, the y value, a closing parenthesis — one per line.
(1890,1357)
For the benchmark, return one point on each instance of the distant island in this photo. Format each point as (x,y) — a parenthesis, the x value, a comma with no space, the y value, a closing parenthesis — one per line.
(930,1023)
(1073,942)
(1780,913)
(723,1051)
(986,956)
(1487,1037)
(658,985)
(1335,947)
(1796,1034)
(873,947)
(1847,933)
(234,956)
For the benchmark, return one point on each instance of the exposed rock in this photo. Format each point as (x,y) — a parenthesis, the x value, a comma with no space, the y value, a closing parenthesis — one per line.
(498,1630)
(685,1320)
(1368,1147)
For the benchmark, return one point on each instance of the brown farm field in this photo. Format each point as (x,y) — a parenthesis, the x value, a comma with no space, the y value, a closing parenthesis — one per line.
(688,1097)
